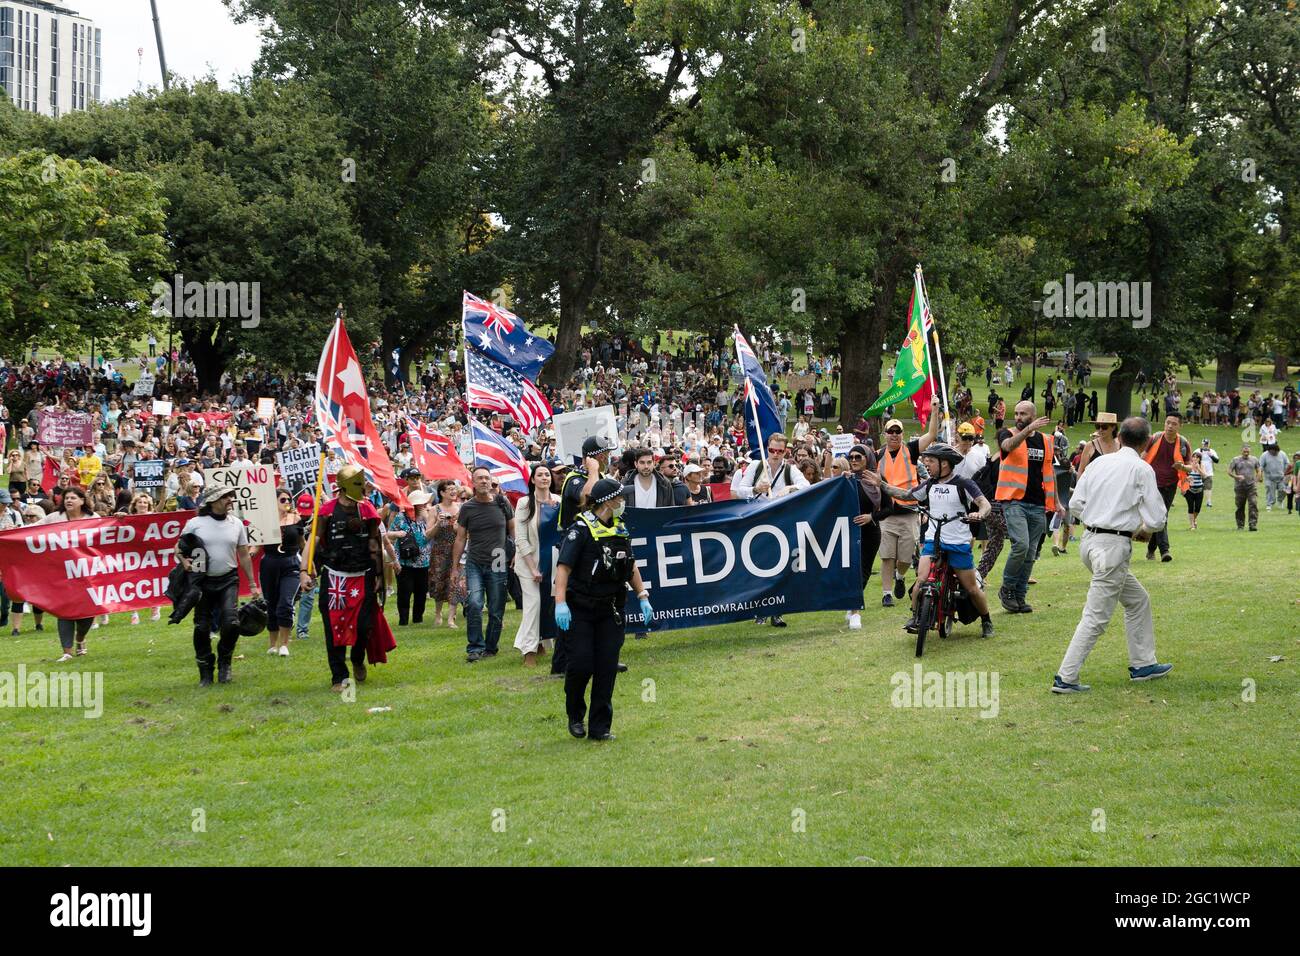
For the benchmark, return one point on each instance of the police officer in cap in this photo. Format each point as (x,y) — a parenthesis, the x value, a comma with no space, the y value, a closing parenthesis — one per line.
(576,493)
(594,568)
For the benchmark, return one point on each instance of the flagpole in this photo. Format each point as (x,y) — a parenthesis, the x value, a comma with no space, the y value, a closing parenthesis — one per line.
(938,352)
(315,515)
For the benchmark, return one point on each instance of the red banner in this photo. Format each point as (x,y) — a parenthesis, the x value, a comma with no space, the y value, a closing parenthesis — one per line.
(78,569)
(721,490)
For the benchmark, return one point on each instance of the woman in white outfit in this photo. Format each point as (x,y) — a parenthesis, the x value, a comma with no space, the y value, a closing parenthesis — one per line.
(528,512)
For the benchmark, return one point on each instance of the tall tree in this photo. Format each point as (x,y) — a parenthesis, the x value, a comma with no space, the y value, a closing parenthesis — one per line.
(80,246)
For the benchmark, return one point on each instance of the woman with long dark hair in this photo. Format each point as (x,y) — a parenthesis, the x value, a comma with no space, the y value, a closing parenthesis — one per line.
(279,573)
(528,510)
(444,583)
(74,507)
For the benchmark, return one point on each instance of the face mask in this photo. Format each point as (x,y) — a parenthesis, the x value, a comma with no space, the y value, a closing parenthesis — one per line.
(619,508)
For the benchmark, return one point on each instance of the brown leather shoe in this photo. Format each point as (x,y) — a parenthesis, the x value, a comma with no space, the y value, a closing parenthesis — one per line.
(530,659)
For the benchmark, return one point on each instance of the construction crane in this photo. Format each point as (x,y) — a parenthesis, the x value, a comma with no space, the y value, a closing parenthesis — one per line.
(162,57)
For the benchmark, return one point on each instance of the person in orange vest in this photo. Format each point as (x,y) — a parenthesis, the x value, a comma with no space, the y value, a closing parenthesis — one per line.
(1169,455)
(898,518)
(1027,490)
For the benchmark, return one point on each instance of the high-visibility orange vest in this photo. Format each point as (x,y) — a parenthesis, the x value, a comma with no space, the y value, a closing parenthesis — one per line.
(1184,482)
(1013,474)
(898,470)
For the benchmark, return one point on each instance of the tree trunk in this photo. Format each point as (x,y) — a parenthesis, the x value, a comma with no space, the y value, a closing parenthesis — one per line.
(1281,362)
(859,378)
(207,354)
(1119,390)
(568,337)
(1225,377)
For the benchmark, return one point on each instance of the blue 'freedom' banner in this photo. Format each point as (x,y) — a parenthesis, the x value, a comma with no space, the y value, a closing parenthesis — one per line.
(736,560)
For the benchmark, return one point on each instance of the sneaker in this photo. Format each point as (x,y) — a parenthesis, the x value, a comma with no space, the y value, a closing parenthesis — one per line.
(156,615)
(1150,672)
(1061,687)
(887,600)
(14,632)
(1151,555)
(302,635)
(95,626)
(900,587)
(272,651)
(778,621)
(1009,604)
(855,621)
(1166,557)
(81,650)
(135,617)
(473,657)
(284,650)
(910,626)
(1026,608)
(986,628)
(66,657)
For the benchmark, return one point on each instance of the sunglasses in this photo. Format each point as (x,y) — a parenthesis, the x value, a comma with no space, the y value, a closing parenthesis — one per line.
(857,457)
(776,451)
(893,431)
(284,501)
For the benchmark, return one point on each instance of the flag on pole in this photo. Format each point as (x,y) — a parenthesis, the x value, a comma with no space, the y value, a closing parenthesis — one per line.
(762,417)
(434,454)
(343,409)
(501,457)
(500,335)
(912,369)
(490,384)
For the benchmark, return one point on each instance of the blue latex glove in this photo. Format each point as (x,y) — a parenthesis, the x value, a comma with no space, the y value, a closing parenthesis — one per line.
(563,616)
(646,611)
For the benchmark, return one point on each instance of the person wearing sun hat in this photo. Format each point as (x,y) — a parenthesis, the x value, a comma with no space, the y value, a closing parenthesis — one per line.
(1105,440)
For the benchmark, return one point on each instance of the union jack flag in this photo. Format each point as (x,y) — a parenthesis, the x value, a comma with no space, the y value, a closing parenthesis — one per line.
(490,384)
(501,457)
(500,335)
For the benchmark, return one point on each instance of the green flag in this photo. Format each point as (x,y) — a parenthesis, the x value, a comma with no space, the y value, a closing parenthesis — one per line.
(912,369)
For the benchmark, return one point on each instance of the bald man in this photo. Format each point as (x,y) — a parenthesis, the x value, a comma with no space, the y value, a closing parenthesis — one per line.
(1027,491)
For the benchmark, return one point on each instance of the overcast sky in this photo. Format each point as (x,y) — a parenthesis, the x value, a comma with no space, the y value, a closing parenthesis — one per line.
(198,37)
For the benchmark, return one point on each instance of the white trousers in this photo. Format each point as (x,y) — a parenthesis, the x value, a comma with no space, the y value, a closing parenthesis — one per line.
(1107,556)
(530,625)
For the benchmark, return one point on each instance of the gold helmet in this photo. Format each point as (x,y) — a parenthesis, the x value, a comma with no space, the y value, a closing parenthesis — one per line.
(351,481)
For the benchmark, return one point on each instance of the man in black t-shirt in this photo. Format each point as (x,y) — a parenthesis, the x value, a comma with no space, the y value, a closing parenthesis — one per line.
(482,527)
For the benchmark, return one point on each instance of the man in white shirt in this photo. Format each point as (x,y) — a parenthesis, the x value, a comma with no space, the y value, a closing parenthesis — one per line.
(1117,501)
(1208,459)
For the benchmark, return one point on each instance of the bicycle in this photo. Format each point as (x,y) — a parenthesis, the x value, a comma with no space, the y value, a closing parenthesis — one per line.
(940,592)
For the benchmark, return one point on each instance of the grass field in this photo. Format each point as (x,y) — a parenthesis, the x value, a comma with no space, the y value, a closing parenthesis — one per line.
(752,746)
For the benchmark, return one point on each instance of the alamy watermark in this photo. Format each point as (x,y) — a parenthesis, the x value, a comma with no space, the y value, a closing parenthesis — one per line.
(209,300)
(940,689)
(1098,300)
(74,690)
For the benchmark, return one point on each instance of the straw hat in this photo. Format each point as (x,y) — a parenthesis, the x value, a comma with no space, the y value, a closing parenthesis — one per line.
(1106,418)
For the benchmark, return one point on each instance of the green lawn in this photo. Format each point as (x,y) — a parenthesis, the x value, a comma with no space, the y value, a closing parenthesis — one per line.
(746,727)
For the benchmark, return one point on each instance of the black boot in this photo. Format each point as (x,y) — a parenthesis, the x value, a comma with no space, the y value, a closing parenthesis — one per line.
(223,667)
(205,669)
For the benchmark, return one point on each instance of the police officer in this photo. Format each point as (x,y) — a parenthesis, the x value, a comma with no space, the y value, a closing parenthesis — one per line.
(591,577)
(575,493)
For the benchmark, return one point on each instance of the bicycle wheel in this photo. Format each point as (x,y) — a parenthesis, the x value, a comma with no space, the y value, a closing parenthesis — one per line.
(924,618)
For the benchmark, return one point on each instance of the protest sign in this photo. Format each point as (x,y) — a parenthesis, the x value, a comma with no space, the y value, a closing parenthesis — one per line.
(298,468)
(161,409)
(63,429)
(144,385)
(266,408)
(209,419)
(736,560)
(573,428)
(796,382)
(254,499)
(721,490)
(840,445)
(147,475)
(77,569)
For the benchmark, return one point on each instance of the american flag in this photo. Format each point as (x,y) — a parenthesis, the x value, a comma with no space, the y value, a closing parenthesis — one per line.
(490,384)
(500,335)
(500,456)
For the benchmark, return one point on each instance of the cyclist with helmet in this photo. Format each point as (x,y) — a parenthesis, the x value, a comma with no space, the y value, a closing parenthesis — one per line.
(948,497)
(594,568)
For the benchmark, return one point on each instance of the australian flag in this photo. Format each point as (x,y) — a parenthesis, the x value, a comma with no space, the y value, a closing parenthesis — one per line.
(501,456)
(500,335)
(762,417)
(490,384)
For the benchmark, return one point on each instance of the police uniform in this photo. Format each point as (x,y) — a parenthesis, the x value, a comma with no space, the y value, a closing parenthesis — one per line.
(600,562)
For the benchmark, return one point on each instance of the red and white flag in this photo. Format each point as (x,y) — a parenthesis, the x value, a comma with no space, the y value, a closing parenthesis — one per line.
(343,410)
(434,453)
(346,593)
